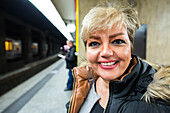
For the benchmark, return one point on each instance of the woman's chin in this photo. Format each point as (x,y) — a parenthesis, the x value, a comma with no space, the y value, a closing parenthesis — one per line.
(109,77)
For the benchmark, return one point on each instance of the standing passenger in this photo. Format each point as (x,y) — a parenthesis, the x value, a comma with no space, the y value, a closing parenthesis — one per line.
(71,62)
(114,80)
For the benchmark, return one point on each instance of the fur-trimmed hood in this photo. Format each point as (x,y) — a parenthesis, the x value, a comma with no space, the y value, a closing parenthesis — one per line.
(159,88)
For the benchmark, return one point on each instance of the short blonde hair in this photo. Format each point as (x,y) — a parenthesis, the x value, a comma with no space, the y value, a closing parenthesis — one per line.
(105,17)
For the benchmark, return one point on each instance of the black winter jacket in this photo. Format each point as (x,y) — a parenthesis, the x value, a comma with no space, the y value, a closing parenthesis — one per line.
(143,90)
(71,58)
(126,96)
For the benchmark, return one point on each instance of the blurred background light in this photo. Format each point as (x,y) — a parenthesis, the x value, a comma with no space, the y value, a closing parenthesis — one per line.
(71,27)
(47,8)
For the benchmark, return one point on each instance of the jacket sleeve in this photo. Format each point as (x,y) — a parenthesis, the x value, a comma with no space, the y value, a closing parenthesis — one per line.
(70,56)
(81,87)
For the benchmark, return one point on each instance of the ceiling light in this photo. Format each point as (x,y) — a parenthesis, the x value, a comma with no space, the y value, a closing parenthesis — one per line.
(47,8)
(71,27)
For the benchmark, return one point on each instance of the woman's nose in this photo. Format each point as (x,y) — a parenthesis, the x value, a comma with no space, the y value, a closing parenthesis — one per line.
(106,51)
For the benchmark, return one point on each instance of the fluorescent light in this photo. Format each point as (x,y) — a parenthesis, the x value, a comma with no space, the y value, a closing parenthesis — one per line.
(71,27)
(48,9)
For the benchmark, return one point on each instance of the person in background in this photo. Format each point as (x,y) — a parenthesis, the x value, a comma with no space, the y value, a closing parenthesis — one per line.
(71,62)
(113,80)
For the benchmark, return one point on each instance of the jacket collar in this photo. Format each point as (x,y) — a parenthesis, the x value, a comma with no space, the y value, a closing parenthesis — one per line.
(137,79)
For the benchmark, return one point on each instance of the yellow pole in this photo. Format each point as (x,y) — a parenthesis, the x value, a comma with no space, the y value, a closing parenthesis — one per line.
(77,25)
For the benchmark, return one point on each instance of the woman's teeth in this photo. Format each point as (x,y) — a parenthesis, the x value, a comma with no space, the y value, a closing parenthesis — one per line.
(108,64)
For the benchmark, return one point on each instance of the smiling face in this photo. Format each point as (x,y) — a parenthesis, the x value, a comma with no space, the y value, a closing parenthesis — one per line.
(109,52)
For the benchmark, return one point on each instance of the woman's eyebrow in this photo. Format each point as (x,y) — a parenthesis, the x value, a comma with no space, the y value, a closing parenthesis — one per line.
(115,35)
(94,37)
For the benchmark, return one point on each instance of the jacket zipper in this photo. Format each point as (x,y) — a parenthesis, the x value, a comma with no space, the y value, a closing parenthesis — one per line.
(104,110)
(108,105)
(109,100)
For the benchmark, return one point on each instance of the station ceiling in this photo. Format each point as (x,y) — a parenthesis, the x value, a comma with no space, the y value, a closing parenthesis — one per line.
(66,9)
(25,11)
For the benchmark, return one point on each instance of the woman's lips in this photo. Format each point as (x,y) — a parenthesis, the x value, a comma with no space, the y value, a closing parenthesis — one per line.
(108,64)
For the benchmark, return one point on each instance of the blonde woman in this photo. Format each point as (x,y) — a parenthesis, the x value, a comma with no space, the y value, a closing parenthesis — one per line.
(114,80)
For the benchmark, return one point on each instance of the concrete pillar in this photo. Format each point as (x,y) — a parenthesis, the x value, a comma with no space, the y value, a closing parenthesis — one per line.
(26,44)
(42,46)
(55,46)
(2,46)
(50,51)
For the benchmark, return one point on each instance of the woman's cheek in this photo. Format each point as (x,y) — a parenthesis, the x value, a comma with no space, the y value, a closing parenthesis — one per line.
(123,52)
(92,55)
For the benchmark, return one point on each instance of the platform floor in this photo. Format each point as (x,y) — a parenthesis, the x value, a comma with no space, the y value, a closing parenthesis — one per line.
(43,93)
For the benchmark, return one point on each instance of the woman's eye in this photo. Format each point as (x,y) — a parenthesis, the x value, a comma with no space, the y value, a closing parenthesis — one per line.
(118,41)
(94,44)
